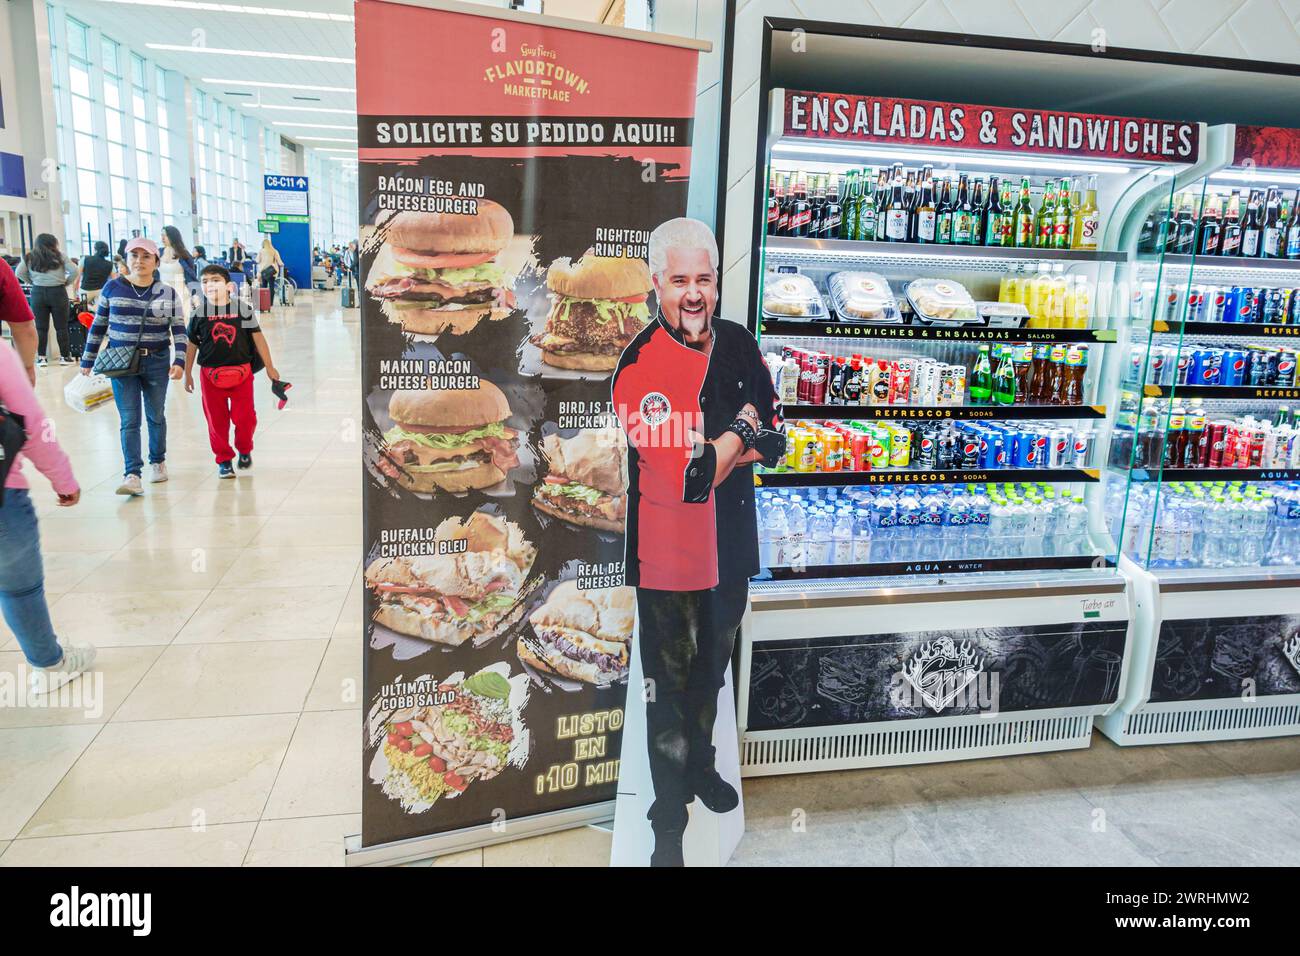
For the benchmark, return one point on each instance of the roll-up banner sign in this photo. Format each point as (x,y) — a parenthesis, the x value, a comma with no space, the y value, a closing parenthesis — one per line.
(509,180)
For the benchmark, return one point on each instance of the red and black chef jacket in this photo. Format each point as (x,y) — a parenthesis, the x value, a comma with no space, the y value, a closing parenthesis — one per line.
(682,534)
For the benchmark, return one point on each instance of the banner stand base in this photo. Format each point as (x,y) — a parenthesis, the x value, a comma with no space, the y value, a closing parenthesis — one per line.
(472,838)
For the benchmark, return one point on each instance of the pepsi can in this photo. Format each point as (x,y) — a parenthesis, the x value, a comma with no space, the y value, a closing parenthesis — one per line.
(1257,367)
(969,443)
(1157,358)
(1247,303)
(1216,302)
(1060,449)
(1233,369)
(1081,453)
(1206,368)
(1196,303)
(1183,366)
(1025,452)
(1286,359)
(1171,306)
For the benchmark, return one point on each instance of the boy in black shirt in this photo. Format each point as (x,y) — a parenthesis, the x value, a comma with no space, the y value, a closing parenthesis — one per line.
(229,348)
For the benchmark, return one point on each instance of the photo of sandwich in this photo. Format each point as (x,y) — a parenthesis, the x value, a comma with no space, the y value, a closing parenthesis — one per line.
(475,592)
(449,439)
(598,305)
(586,483)
(473,732)
(435,272)
(582,635)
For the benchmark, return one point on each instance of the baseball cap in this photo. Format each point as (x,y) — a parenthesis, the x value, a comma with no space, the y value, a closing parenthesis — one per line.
(141,243)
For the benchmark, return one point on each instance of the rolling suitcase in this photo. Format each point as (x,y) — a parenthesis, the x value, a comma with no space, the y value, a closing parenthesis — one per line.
(348,296)
(264,294)
(76,331)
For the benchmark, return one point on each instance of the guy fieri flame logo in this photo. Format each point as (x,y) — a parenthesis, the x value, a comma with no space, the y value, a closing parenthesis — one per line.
(1291,650)
(940,670)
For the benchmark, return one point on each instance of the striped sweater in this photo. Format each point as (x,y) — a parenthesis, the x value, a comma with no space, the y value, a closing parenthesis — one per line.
(121,309)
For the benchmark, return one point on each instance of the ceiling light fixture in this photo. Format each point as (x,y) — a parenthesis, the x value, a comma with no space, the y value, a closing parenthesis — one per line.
(239,8)
(333,149)
(255,54)
(278,86)
(294,109)
(351,126)
(325,139)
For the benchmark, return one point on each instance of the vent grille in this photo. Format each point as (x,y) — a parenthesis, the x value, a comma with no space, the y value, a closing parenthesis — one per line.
(1214,721)
(839,750)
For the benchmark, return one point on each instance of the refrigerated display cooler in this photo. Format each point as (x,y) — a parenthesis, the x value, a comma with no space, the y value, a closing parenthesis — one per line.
(940,572)
(1212,536)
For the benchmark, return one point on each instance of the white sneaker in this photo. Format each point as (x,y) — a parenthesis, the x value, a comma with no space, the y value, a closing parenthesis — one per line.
(42,361)
(158,472)
(130,486)
(77,659)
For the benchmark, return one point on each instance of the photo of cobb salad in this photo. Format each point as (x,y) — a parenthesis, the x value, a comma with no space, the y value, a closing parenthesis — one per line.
(463,730)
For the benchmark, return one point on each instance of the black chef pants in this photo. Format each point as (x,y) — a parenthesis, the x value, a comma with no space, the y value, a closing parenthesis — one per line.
(50,302)
(686,639)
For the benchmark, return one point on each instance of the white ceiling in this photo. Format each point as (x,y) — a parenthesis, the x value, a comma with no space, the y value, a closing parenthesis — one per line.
(178,23)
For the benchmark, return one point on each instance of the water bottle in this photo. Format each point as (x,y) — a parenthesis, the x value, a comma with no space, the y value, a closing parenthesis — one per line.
(998,527)
(977,538)
(862,536)
(797,521)
(1074,526)
(909,524)
(884,526)
(1017,528)
(778,536)
(1036,511)
(1216,530)
(1234,528)
(843,537)
(820,526)
(930,539)
(1257,524)
(956,527)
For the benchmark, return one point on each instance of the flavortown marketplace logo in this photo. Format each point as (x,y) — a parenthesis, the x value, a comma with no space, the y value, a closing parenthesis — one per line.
(536,74)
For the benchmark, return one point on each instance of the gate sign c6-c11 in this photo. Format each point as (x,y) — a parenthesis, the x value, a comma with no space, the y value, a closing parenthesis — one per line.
(285,195)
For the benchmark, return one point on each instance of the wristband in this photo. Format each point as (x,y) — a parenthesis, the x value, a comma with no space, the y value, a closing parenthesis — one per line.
(745,432)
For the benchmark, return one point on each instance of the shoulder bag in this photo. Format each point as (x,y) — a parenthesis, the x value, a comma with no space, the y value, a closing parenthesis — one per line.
(119,361)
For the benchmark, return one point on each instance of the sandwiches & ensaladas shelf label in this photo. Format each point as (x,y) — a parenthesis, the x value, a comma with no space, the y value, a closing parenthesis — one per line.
(508,188)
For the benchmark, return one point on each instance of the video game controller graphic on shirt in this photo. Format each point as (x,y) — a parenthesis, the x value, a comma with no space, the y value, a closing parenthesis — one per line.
(223,332)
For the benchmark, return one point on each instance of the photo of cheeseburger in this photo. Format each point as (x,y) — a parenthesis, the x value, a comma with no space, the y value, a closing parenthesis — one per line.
(582,635)
(598,304)
(475,592)
(449,439)
(435,271)
(586,481)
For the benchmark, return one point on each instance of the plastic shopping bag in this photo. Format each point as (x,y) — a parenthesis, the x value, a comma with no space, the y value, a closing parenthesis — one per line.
(84,392)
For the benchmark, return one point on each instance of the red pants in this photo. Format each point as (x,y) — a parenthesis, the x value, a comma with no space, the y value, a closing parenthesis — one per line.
(221,406)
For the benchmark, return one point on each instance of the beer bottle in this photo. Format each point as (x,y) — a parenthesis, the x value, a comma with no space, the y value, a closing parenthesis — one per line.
(981,378)
(963,214)
(1185,244)
(943,214)
(896,215)
(1087,219)
(979,206)
(1004,378)
(1045,220)
(1251,226)
(1210,229)
(1008,217)
(1293,229)
(816,202)
(925,214)
(833,210)
(773,202)
(993,214)
(868,211)
(1271,243)
(1230,243)
(1023,216)
(800,210)
(1062,218)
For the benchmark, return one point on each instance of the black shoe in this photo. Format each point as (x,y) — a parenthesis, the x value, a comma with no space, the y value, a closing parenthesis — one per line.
(714,792)
(668,848)
(224,470)
(245,462)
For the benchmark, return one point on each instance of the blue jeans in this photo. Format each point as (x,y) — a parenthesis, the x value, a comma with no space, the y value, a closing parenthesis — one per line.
(22,581)
(147,389)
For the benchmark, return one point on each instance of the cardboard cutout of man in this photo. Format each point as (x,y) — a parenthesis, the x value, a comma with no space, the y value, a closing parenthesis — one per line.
(698,406)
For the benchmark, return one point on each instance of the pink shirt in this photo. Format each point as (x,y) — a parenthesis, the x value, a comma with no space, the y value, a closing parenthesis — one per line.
(18,396)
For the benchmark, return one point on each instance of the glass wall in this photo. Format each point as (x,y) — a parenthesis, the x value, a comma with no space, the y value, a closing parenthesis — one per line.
(140,147)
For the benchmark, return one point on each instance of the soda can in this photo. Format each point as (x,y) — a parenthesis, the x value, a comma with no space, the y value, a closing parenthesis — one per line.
(927,449)
(1137,356)
(1171,306)
(1287,308)
(1273,308)
(1157,357)
(1042,439)
(1218,443)
(1182,368)
(1062,445)
(1216,302)
(1081,452)
(1247,304)
(968,441)
(948,453)
(881,439)
(1026,455)
(1293,308)
(1233,371)
(805,451)
(1206,367)
(1286,362)
(1143,294)
(833,450)
(900,381)
(1196,303)
(860,451)
(900,446)
(1257,367)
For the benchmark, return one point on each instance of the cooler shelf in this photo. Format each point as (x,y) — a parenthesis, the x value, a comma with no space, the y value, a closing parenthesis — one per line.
(802,328)
(883,413)
(1261,393)
(801,479)
(1234,329)
(936,567)
(1216,474)
(788,246)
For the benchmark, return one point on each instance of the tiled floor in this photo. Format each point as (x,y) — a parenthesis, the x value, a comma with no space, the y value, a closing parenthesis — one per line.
(228,617)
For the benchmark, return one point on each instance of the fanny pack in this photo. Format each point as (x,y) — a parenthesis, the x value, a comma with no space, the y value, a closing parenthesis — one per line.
(227,376)
(13,436)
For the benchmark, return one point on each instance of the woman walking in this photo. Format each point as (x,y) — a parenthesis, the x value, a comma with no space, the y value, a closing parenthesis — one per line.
(269,265)
(143,314)
(22,575)
(95,272)
(50,273)
(177,268)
